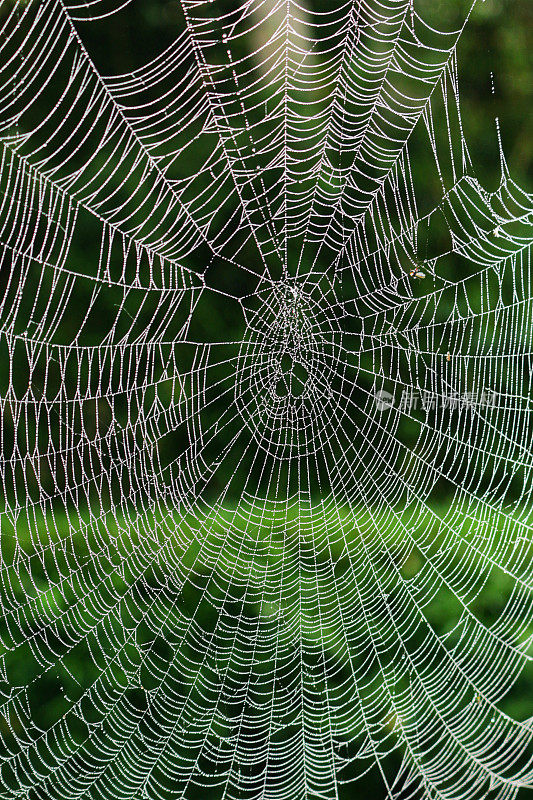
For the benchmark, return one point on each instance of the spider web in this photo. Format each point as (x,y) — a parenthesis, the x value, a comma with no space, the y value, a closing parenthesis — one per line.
(242,538)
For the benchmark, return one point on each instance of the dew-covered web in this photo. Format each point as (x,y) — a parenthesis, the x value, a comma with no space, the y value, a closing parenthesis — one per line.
(265,391)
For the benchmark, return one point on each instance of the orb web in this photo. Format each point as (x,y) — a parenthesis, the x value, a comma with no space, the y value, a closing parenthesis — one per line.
(265,398)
